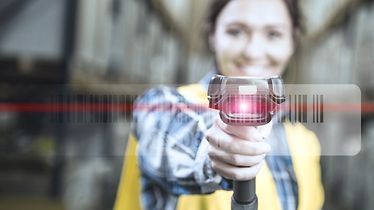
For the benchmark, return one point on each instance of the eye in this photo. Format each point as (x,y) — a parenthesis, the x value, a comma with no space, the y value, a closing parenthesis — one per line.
(235,32)
(273,34)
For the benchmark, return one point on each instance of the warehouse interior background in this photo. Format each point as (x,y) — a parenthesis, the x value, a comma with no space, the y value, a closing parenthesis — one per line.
(81,46)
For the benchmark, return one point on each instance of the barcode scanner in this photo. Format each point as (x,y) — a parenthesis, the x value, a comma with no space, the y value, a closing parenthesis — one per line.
(245,101)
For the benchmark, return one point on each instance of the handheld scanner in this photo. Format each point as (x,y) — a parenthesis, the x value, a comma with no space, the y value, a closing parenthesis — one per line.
(246,101)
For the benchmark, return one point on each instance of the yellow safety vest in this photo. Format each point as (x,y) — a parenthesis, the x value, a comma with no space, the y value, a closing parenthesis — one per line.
(304,149)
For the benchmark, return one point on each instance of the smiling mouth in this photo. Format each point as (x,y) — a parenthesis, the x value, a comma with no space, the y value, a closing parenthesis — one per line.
(252,70)
(243,67)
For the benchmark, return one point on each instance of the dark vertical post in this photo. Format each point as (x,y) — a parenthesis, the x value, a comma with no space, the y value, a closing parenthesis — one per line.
(68,47)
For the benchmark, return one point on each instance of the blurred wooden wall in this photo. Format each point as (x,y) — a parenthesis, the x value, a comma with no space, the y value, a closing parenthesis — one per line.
(146,44)
(339,50)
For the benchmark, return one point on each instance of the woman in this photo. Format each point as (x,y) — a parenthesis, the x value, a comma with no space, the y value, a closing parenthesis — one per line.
(191,151)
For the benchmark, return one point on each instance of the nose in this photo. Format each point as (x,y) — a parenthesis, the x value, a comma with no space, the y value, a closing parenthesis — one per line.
(254,48)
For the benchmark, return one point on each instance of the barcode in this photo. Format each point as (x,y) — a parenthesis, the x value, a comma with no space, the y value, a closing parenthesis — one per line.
(299,109)
(112,108)
(90,108)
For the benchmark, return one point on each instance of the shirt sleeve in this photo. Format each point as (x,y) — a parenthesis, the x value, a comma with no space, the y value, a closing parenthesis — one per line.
(172,149)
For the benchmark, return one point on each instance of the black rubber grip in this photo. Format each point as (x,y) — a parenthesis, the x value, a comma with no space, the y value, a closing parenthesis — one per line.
(245,191)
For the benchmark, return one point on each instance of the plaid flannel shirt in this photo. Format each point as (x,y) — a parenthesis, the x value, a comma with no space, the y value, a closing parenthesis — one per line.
(173,156)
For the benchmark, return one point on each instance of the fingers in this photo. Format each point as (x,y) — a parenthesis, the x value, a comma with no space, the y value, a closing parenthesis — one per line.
(231,144)
(237,152)
(234,159)
(236,173)
(254,133)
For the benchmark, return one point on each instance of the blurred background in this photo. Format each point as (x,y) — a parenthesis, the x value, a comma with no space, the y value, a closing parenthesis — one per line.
(69,47)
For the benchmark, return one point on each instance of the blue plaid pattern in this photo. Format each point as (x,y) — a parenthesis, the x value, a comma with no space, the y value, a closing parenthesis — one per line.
(173,151)
(281,168)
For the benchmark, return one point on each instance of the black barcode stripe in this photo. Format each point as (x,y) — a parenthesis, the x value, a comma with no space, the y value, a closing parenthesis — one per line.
(314,108)
(295,109)
(305,103)
(289,108)
(299,108)
(317,108)
(321,109)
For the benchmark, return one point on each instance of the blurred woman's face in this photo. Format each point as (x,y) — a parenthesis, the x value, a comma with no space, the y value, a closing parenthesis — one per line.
(253,38)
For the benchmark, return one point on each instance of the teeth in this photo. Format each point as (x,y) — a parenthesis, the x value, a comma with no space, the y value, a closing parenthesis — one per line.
(254,71)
